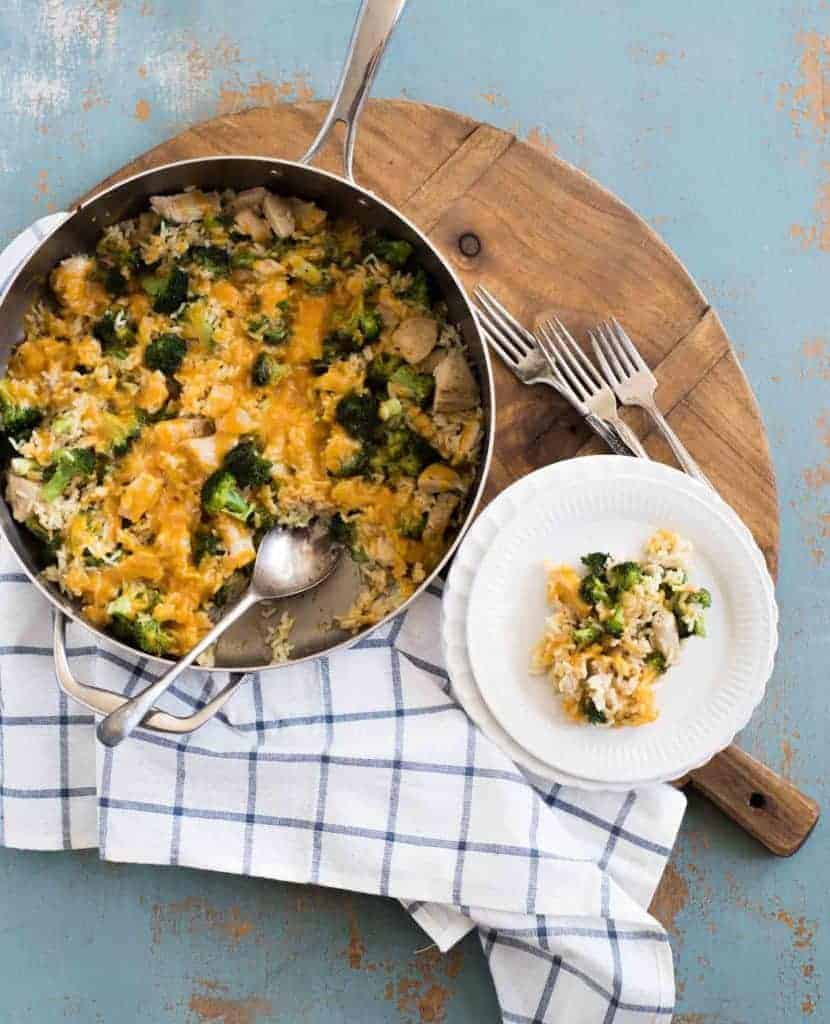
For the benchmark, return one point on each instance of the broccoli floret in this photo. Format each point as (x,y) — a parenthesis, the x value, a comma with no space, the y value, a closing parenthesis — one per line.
(381,369)
(411,524)
(589,632)
(243,259)
(615,623)
(370,324)
(592,712)
(270,330)
(390,409)
(122,435)
(394,250)
(593,590)
(344,531)
(401,452)
(165,353)
(48,541)
(150,636)
(317,280)
(625,575)
(262,520)
(220,493)
(686,628)
(657,661)
(416,386)
(212,258)
(701,597)
(115,282)
(206,542)
(143,632)
(16,421)
(198,319)
(420,291)
(355,464)
(114,332)
(267,370)
(247,465)
(67,464)
(168,291)
(596,562)
(358,414)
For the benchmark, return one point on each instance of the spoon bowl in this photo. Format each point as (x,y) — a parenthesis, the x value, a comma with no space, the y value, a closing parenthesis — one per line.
(288,562)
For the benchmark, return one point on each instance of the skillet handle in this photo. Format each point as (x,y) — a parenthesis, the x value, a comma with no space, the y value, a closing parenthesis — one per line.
(104,702)
(375,23)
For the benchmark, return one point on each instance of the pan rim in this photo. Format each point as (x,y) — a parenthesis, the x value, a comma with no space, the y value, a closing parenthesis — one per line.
(365,197)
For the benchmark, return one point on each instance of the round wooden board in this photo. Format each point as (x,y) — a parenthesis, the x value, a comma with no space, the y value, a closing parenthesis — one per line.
(552,240)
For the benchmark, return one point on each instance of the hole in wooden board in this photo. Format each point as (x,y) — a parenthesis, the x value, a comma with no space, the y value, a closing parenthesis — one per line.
(757,800)
(469,244)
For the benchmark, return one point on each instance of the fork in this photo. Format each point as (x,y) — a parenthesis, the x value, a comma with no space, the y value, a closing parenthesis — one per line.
(567,358)
(519,351)
(634,384)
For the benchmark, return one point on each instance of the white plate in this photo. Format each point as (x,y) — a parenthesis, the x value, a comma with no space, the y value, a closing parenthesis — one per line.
(703,701)
(456,595)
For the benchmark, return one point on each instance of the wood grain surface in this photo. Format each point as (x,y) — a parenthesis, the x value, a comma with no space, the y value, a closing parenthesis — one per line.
(552,239)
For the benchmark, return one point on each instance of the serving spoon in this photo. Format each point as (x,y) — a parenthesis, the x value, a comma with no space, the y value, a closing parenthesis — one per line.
(288,562)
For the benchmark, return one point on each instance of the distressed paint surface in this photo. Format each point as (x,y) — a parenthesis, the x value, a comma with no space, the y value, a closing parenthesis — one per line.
(713,121)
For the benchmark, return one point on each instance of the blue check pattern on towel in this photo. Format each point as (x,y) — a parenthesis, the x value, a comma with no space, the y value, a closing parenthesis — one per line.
(357,771)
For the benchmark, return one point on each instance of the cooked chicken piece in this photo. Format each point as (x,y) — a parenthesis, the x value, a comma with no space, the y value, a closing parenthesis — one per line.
(170,433)
(237,542)
(139,496)
(440,515)
(269,268)
(455,386)
(307,216)
(203,450)
(438,479)
(186,207)
(666,637)
(21,494)
(247,223)
(432,360)
(415,338)
(279,215)
(250,199)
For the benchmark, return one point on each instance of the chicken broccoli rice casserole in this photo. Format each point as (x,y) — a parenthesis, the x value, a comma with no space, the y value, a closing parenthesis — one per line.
(616,629)
(221,364)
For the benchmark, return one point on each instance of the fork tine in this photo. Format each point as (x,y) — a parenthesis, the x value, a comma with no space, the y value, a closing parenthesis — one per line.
(611,352)
(522,338)
(566,355)
(588,366)
(621,351)
(509,361)
(610,375)
(630,347)
(556,362)
(497,337)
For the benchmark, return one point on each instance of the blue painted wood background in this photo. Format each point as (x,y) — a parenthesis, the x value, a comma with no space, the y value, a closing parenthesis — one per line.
(711,119)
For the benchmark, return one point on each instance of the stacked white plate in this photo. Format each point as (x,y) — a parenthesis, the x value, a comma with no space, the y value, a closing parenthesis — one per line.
(494,610)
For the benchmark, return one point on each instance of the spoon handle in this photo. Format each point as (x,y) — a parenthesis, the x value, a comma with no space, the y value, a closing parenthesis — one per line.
(118,725)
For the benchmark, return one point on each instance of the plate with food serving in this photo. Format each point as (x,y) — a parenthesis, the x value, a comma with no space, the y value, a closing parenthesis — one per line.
(621,626)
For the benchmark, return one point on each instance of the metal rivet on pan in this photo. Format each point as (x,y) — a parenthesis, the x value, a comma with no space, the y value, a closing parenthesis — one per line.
(469,244)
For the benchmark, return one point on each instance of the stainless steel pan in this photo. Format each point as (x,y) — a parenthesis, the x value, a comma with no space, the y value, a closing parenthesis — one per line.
(244,649)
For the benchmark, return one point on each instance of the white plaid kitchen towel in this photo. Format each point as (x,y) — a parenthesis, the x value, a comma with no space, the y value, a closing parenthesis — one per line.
(357,771)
